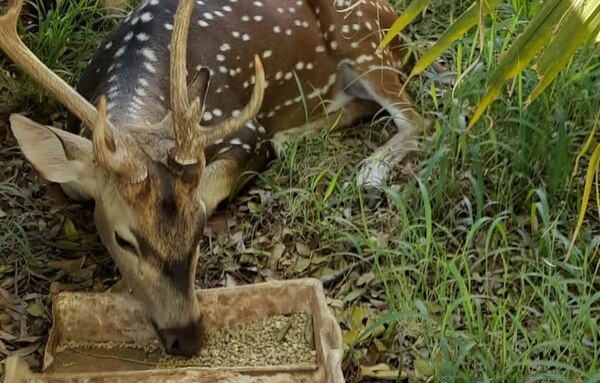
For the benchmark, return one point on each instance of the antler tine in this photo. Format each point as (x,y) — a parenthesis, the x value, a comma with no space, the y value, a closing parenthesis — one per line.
(15,49)
(111,149)
(186,117)
(225,128)
(190,142)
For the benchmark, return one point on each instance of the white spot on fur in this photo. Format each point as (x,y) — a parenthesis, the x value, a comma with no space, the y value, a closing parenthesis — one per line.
(149,67)
(148,53)
(146,16)
(120,52)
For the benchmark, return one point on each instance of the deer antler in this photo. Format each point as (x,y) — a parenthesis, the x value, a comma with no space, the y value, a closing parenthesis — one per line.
(113,157)
(229,126)
(190,139)
(110,148)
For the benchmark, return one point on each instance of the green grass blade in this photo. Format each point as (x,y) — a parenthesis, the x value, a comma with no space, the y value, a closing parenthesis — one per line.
(332,185)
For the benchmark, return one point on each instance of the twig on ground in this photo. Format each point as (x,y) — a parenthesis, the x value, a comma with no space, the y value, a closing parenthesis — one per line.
(333,278)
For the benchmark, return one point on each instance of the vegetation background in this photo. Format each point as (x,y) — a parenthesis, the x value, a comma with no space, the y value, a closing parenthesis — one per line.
(458,275)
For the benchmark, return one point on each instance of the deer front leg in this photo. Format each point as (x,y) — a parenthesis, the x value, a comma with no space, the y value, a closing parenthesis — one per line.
(217,182)
(222,176)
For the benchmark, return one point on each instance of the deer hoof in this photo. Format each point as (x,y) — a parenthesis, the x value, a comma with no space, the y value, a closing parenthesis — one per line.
(371,177)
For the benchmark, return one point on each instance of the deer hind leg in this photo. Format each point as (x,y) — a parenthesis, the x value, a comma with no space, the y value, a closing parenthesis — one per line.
(348,111)
(383,86)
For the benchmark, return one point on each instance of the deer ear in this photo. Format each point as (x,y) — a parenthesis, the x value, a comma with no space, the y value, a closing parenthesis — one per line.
(57,155)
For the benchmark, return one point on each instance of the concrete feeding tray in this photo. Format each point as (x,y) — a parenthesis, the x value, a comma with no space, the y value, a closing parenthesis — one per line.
(117,320)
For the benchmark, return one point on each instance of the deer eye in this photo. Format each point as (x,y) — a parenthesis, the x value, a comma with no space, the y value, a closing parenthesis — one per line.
(125,244)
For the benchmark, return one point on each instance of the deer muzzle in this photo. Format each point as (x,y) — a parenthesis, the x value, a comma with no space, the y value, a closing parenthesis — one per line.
(182,341)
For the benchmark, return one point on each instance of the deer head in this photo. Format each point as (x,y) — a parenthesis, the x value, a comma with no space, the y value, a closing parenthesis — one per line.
(149,213)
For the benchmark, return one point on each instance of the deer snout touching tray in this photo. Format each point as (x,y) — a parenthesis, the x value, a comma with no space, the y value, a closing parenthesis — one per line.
(274,332)
(182,341)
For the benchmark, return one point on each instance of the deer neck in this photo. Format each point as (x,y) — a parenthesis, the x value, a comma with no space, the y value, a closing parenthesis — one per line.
(136,98)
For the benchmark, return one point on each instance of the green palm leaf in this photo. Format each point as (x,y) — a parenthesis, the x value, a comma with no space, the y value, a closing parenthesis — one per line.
(580,24)
(455,31)
(412,11)
(520,55)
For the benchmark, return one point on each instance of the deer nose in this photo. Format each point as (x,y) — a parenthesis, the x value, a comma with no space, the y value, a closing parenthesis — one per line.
(183,341)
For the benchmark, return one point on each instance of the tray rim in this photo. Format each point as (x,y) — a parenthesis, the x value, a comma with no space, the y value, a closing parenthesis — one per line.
(332,345)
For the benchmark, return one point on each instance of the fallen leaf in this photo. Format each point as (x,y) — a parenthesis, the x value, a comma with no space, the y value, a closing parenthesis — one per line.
(354,294)
(283,332)
(359,313)
(6,336)
(365,278)
(276,254)
(83,274)
(230,281)
(236,239)
(35,309)
(301,265)
(254,208)
(26,350)
(320,260)
(423,368)
(351,336)
(3,349)
(68,266)
(216,225)
(302,249)
(381,371)
(70,231)
(309,334)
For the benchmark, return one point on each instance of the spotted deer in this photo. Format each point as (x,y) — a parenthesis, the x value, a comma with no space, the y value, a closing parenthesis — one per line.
(157,164)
